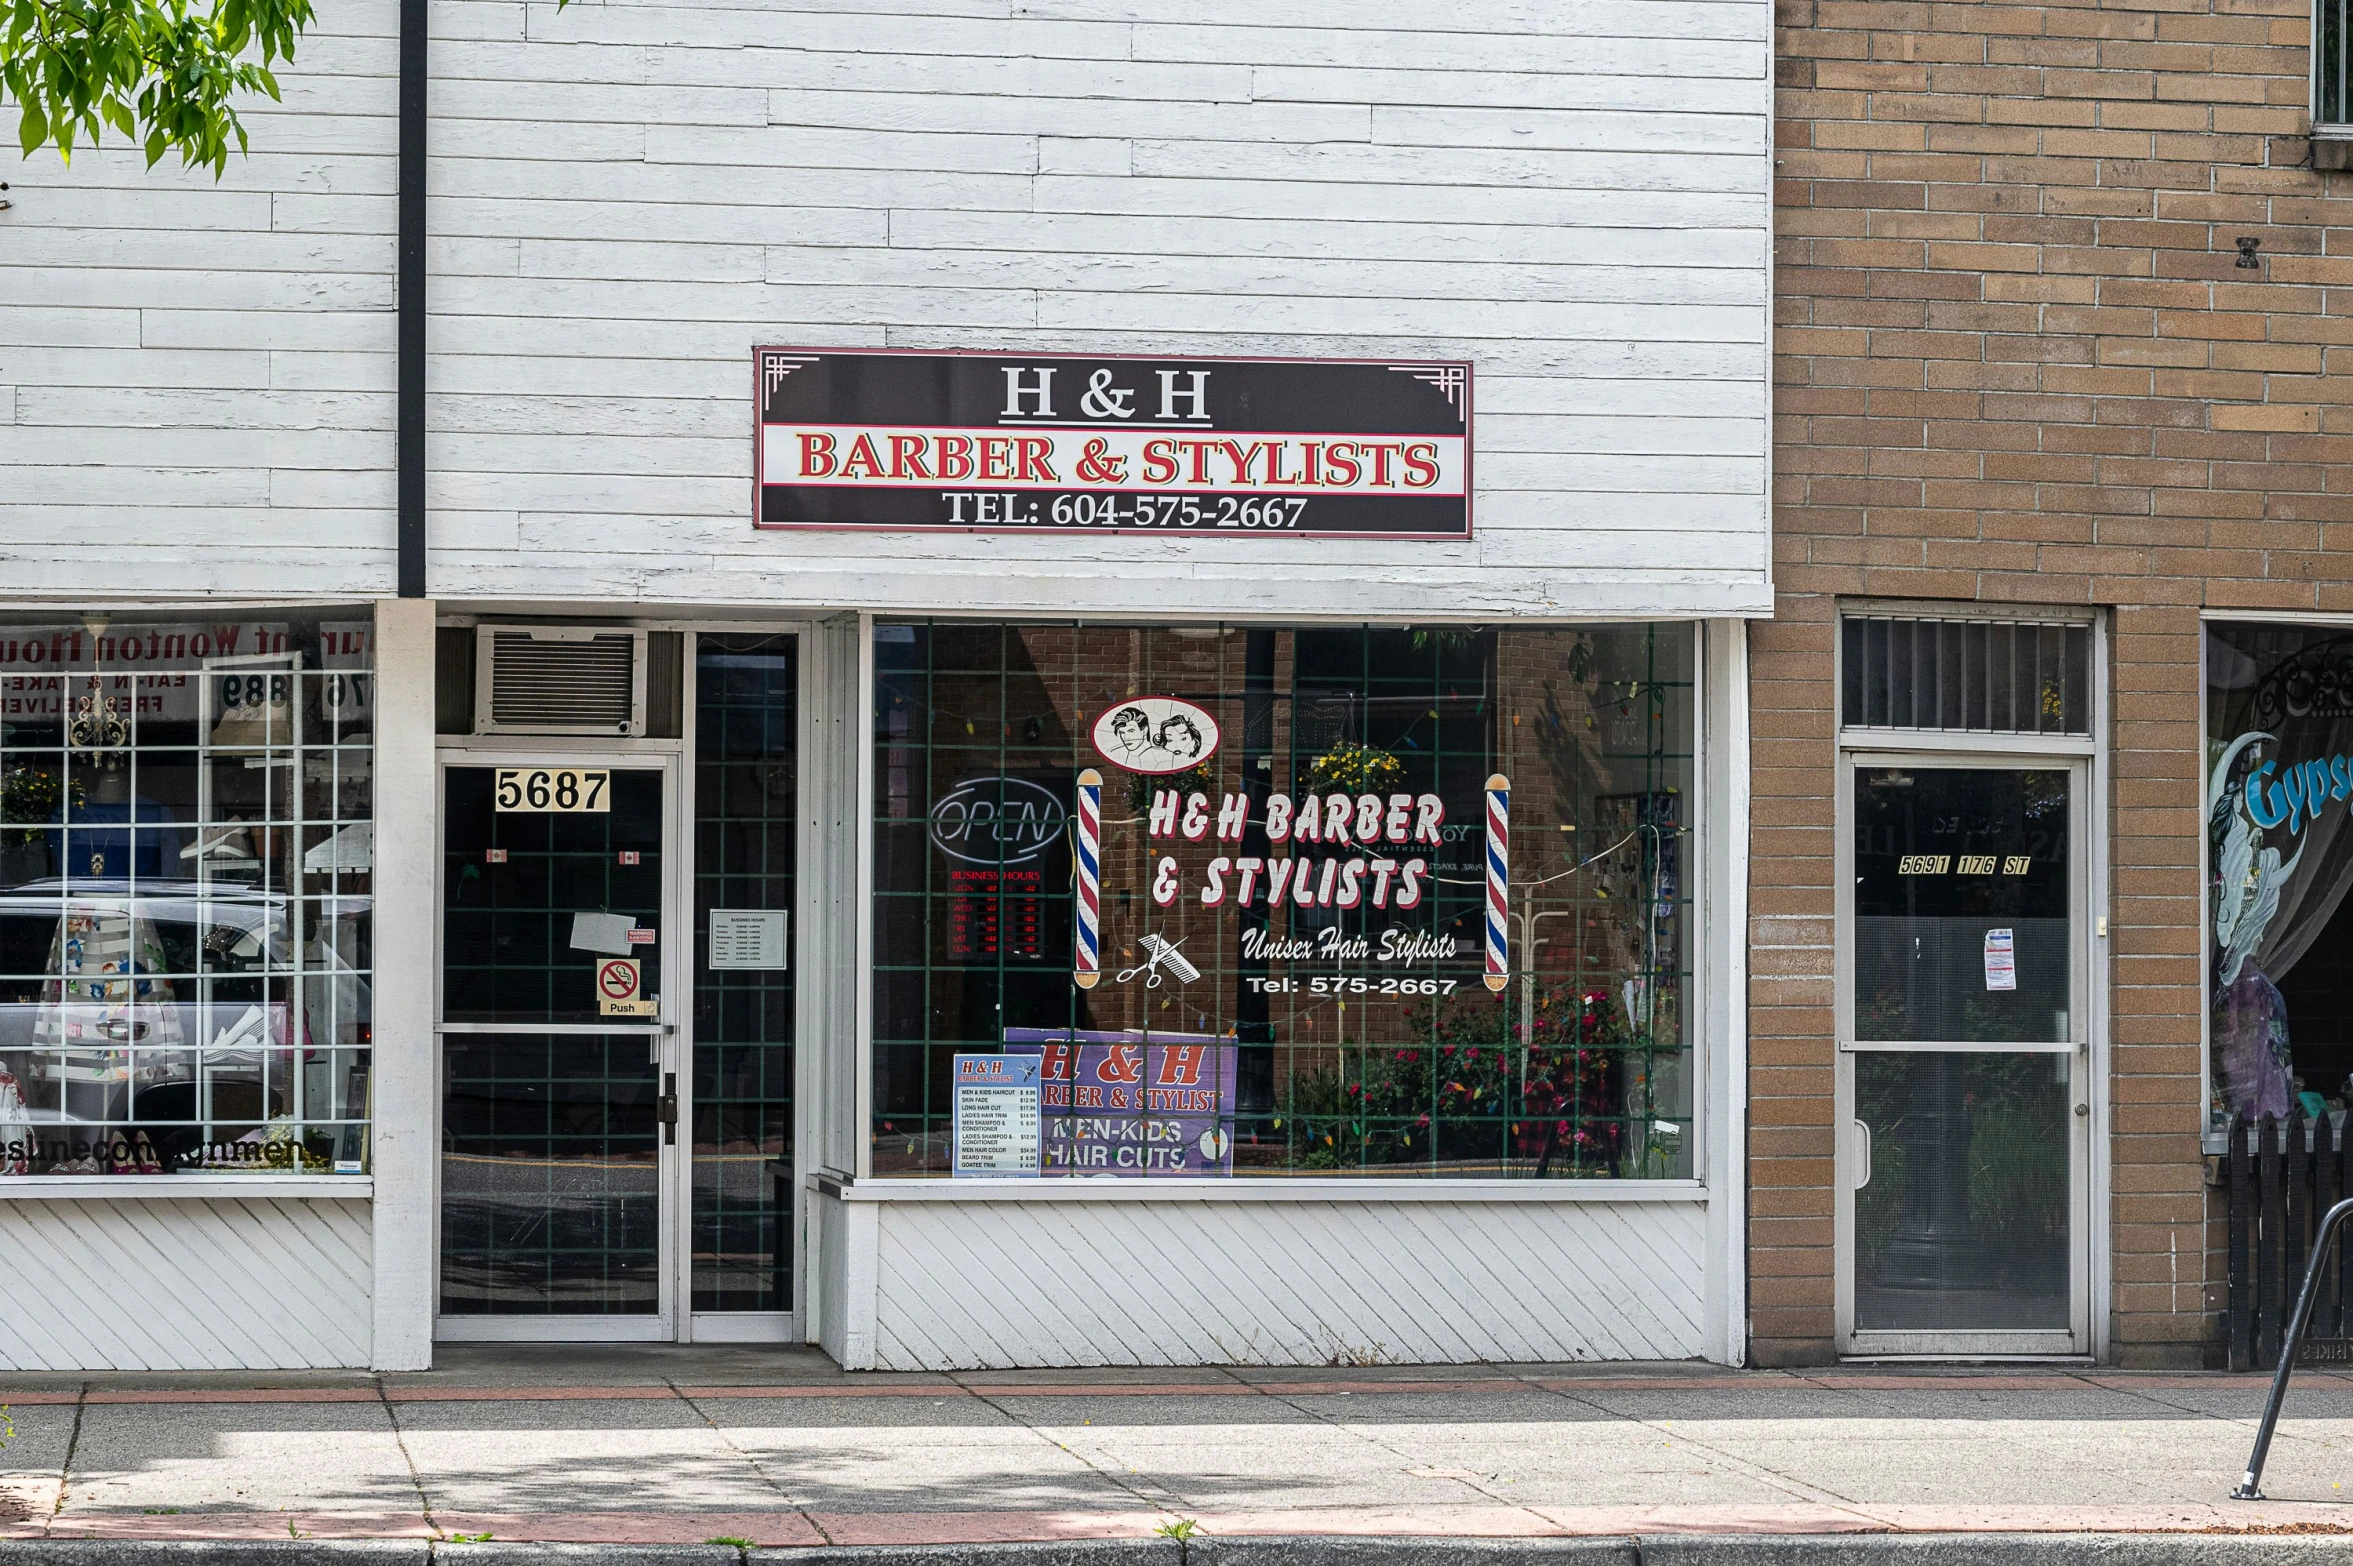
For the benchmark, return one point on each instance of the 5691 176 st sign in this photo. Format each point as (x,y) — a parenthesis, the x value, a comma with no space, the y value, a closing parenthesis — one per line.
(868,439)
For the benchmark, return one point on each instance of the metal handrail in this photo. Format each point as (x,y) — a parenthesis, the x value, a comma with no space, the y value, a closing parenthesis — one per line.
(2250,1487)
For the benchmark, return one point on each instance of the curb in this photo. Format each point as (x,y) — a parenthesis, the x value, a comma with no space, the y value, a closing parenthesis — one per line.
(1849,1549)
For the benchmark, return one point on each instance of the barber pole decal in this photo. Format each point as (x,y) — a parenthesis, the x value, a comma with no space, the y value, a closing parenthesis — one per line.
(1498,879)
(1088,954)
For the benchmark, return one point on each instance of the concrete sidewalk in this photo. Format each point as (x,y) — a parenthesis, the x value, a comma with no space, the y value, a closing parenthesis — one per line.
(775,1447)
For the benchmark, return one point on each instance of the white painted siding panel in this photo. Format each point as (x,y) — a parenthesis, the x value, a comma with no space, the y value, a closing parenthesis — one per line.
(204,388)
(1572,195)
(965,1285)
(180,1284)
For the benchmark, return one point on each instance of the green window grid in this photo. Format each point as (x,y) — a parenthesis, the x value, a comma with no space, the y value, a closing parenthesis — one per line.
(1314,1123)
(747,714)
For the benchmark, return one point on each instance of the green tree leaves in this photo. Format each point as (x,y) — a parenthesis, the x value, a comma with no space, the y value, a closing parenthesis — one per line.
(166,74)
(159,72)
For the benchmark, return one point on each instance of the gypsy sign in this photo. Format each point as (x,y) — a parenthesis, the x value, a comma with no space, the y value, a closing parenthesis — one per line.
(2248,879)
(2299,793)
(875,439)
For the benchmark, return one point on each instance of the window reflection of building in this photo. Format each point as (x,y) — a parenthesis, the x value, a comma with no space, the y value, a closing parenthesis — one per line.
(185,845)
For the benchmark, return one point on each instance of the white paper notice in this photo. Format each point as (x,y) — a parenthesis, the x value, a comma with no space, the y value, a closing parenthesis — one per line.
(2001,961)
(996,1129)
(601,932)
(747,938)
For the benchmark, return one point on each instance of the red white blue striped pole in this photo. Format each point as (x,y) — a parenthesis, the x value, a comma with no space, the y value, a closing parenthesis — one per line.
(1087,953)
(1498,882)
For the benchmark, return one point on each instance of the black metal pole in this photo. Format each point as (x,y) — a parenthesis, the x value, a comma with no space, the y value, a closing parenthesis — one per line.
(2250,1487)
(409,327)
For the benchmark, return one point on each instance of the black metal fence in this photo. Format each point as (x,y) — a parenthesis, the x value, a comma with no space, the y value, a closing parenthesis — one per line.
(2280,1178)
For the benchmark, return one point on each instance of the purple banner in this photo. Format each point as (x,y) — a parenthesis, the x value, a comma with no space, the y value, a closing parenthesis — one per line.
(1133,1103)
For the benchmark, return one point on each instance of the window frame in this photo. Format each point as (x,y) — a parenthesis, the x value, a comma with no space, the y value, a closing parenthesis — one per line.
(1705,966)
(211,1185)
(2340,129)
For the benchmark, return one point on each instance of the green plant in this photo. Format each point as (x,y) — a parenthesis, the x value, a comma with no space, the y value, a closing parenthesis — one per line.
(1180,1529)
(1571,1098)
(1354,769)
(469,1538)
(737,1540)
(165,74)
(30,793)
(1142,786)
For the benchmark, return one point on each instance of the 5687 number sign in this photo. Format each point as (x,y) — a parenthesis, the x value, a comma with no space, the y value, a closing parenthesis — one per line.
(553,790)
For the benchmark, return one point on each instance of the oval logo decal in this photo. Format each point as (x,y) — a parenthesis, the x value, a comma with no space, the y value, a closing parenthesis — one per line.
(1156,735)
(996,821)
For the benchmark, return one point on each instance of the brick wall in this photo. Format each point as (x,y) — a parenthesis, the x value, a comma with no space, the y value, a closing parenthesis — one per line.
(2018,360)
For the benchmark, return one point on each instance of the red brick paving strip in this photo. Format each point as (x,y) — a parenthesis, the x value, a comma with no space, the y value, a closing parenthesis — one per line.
(789,1528)
(1773,1383)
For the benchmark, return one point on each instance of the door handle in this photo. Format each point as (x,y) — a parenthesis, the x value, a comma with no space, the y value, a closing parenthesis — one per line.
(666,1109)
(1862,1146)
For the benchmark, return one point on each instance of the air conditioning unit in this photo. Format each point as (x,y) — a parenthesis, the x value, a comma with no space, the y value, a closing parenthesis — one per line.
(559,679)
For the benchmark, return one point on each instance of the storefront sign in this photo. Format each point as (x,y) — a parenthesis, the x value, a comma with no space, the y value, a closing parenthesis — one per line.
(995,1115)
(871,439)
(1133,1103)
(1336,850)
(996,821)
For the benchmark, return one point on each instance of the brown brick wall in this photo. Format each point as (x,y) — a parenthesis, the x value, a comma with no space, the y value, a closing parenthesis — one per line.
(2016,360)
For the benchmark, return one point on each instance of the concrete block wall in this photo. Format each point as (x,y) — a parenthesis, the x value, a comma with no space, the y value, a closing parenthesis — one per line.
(2018,361)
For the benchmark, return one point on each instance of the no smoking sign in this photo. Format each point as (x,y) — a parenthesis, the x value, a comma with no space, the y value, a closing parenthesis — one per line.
(617,980)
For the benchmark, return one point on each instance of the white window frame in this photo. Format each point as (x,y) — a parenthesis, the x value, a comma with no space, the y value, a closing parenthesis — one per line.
(2331,130)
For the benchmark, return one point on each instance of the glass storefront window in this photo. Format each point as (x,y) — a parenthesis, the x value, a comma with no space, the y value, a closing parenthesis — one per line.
(1296,835)
(185,856)
(747,801)
(2279,770)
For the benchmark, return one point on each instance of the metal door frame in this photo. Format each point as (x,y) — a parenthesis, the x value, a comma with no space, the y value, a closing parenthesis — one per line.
(671,1034)
(2086,1050)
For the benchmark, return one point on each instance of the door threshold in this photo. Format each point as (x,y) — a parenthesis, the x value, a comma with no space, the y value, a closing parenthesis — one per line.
(551,1329)
(2084,1361)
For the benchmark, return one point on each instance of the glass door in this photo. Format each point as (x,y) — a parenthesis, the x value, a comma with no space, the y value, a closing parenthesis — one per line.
(559,1055)
(1963,1083)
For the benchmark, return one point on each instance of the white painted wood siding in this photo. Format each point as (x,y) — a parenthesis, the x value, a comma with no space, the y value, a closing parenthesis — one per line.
(1571,193)
(181,1284)
(196,377)
(627,196)
(987,1284)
